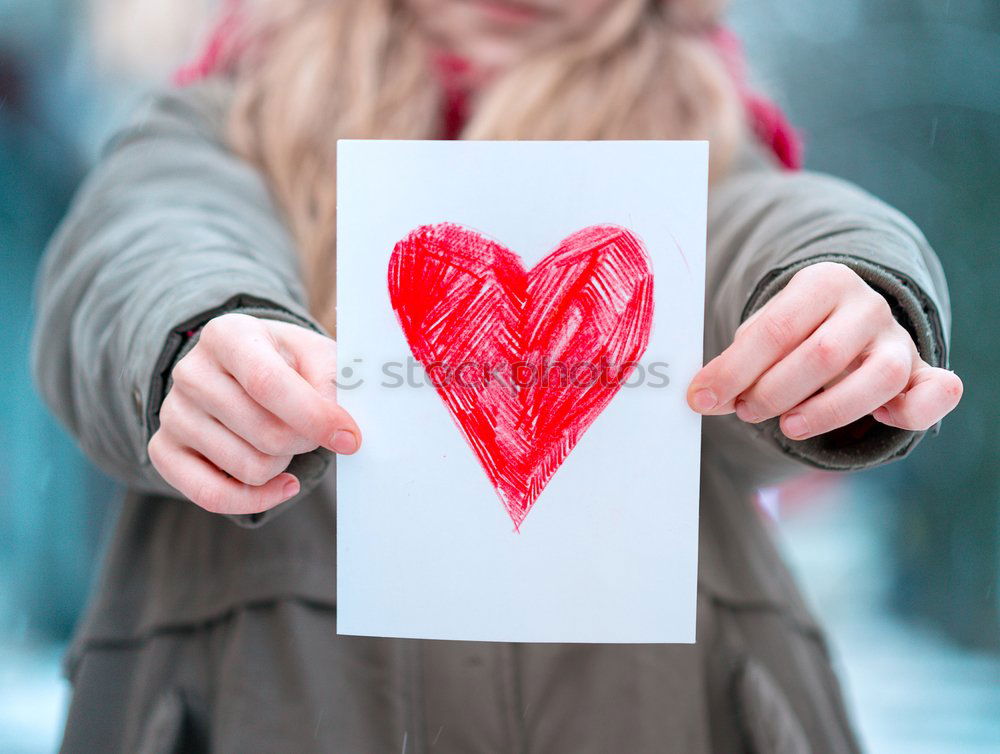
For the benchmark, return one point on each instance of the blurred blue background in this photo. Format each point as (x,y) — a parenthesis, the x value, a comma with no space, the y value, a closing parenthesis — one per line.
(902,564)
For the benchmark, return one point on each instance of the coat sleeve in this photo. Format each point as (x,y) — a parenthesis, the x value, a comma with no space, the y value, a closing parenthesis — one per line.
(168,231)
(764,226)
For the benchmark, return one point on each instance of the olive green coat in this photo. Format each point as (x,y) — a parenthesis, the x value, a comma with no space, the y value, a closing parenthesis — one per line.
(209,632)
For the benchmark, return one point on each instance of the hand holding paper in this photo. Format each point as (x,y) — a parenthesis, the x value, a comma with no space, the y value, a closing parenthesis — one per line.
(250,394)
(824,352)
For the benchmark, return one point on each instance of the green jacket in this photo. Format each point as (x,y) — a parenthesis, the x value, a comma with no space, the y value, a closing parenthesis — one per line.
(219,631)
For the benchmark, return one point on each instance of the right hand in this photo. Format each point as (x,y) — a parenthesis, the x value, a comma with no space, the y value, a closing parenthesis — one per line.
(247,397)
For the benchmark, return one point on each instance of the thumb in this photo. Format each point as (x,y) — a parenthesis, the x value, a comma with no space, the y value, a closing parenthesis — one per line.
(312,354)
(932,393)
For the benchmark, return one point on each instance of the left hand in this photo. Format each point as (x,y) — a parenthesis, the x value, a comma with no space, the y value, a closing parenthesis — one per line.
(822,353)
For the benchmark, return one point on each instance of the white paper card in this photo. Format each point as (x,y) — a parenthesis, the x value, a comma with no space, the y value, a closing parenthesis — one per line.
(499,271)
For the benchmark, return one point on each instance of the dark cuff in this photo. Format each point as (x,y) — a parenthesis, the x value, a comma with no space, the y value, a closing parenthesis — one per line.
(308,468)
(864,443)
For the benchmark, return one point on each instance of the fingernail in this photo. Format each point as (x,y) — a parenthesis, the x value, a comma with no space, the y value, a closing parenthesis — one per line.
(290,489)
(881,414)
(704,400)
(344,441)
(796,426)
(744,413)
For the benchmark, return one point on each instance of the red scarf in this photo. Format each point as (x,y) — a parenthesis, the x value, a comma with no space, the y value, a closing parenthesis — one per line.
(769,123)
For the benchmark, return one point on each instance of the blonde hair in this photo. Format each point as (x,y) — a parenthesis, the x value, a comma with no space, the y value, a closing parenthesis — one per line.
(330,69)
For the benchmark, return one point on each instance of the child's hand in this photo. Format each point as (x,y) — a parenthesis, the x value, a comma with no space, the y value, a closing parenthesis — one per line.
(822,353)
(248,396)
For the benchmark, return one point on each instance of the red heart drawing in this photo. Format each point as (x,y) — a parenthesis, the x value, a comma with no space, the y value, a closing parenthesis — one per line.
(525,361)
